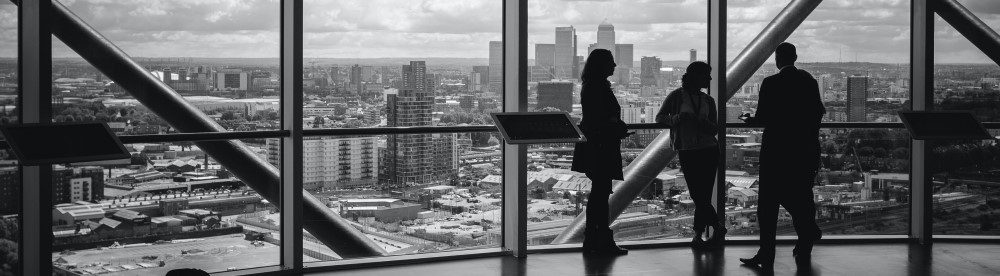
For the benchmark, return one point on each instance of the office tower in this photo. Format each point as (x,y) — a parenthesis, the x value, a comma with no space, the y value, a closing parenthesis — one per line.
(565,53)
(10,190)
(335,74)
(694,56)
(409,158)
(496,67)
(232,79)
(606,36)
(484,76)
(555,94)
(632,114)
(591,48)
(650,70)
(545,55)
(623,55)
(857,87)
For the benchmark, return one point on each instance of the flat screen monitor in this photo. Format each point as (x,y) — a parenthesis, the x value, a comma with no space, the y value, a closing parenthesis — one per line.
(537,127)
(58,143)
(929,125)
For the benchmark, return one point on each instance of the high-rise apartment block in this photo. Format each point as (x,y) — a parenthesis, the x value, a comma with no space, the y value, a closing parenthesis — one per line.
(857,95)
(333,162)
(555,94)
(632,114)
(694,56)
(412,159)
(565,53)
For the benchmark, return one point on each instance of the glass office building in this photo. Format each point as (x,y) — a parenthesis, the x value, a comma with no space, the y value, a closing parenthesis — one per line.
(313,135)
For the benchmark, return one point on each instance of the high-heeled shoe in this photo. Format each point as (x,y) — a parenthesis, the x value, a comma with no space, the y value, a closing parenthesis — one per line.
(758,261)
(803,247)
(697,242)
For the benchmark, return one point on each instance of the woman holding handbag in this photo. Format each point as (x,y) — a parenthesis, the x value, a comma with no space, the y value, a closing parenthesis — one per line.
(600,157)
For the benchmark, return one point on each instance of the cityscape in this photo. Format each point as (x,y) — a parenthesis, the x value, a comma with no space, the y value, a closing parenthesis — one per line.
(172,204)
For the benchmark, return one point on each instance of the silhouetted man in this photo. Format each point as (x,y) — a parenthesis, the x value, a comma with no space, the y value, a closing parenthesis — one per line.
(790,110)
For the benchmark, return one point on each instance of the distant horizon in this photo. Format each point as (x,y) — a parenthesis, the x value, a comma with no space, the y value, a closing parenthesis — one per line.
(306,59)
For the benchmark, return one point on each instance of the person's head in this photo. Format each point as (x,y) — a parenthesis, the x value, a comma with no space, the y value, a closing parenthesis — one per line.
(600,65)
(785,55)
(697,76)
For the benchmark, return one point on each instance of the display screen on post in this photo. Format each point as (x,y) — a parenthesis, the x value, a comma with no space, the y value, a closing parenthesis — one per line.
(924,125)
(537,127)
(41,144)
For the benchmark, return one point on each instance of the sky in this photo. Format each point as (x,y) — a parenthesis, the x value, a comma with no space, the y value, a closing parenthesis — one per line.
(839,30)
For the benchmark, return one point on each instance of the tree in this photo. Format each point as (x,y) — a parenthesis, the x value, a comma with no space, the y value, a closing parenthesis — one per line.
(228,115)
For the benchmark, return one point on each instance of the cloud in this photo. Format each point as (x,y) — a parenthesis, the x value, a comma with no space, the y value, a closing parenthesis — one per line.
(873,30)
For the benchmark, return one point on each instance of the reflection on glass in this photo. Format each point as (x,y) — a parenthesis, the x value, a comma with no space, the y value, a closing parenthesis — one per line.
(221,57)
(862,188)
(169,206)
(450,200)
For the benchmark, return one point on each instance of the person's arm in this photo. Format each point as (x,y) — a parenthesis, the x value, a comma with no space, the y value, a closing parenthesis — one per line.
(711,123)
(665,116)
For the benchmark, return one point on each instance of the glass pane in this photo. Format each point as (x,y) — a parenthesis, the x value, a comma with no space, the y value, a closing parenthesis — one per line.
(652,43)
(434,192)
(10,184)
(857,52)
(964,78)
(169,206)
(367,62)
(966,174)
(222,57)
(863,186)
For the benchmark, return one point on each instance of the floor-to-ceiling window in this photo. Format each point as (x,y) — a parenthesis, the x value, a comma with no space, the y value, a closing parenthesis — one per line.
(965,173)
(10,190)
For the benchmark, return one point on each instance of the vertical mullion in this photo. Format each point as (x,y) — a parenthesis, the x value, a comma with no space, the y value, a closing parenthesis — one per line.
(515,99)
(291,145)
(921,98)
(35,66)
(717,59)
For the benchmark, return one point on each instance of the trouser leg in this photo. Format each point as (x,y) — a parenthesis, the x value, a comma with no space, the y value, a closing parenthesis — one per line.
(699,167)
(597,231)
(767,214)
(802,208)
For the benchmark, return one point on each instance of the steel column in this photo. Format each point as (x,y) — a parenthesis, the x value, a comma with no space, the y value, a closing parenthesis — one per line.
(334,231)
(34,51)
(654,158)
(717,59)
(973,29)
(515,99)
(291,145)
(922,98)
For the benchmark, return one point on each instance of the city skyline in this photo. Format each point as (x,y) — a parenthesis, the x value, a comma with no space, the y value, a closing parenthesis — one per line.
(836,31)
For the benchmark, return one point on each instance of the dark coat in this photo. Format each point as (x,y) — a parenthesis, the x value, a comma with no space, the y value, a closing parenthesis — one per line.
(790,110)
(604,129)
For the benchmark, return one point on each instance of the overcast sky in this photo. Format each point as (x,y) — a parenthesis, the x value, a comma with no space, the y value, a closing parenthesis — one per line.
(866,30)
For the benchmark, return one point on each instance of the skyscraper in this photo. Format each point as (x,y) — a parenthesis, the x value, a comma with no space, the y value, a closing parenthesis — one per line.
(545,55)
(606,36)
(565,53)
(650,70)
(857,89)
(555,94)
(694,56)
(623,55)
(496,67)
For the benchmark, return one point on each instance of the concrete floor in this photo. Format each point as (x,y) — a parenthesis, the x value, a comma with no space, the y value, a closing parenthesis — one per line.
(850,260)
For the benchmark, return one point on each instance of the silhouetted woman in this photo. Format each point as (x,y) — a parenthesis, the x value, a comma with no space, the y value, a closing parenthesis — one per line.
(692,118)
(600,157)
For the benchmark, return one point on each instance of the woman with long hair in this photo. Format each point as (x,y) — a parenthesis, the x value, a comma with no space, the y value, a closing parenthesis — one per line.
(692,118)
(600,157)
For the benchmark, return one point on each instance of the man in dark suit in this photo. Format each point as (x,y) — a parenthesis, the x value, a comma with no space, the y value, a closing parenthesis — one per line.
(790,110)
